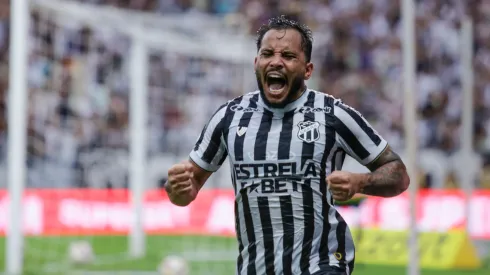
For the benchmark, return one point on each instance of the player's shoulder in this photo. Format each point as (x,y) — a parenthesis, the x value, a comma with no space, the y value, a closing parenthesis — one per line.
(337,105)
(243,102)
(246,98)
(328,99)
(239,103)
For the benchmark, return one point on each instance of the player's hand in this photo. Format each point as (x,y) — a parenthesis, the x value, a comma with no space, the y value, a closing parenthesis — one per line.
(344,185)
(181,179)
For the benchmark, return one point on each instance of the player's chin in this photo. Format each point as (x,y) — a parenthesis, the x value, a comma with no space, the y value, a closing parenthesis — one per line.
(277,96)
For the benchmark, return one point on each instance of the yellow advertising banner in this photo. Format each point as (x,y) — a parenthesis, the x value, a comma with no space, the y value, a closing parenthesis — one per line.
(449,250)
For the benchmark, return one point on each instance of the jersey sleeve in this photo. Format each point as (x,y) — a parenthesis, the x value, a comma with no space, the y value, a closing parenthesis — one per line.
(210,151)
(356,136)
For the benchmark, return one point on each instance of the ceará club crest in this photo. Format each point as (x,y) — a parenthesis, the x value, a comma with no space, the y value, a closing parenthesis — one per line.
(309,131)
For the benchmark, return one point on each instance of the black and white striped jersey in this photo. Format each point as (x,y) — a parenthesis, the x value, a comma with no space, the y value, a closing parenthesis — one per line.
(286,222)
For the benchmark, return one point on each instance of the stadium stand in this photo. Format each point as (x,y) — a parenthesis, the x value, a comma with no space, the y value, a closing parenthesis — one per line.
(359,60)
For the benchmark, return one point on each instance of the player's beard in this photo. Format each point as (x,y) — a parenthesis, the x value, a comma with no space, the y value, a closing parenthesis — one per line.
(295,88)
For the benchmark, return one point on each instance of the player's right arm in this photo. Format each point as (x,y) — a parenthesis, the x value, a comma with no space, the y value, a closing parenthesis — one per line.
(185,179)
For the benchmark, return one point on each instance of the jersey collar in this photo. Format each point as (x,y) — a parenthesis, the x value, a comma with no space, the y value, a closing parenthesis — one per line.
(291,106)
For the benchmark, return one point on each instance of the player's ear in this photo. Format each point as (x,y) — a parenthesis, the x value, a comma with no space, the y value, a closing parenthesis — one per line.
(309,70)
(255,62)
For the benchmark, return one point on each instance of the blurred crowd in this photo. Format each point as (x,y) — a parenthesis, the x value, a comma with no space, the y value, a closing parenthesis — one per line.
(79,80)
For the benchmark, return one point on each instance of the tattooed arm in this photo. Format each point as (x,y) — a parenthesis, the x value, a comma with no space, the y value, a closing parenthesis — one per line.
(388,177)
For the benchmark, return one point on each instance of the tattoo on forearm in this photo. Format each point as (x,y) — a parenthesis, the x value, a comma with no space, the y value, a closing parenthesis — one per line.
(388,177)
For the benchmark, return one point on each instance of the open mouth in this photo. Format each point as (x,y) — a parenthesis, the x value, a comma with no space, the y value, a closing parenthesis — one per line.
(276,82)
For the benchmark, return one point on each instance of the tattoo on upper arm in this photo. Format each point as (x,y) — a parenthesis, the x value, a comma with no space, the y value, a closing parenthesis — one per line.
(387,176)
(386,157)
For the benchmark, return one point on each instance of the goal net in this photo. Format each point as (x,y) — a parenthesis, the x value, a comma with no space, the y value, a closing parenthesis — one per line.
(93,73)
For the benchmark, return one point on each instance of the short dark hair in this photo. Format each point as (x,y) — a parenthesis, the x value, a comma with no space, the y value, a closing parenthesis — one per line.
(282,23)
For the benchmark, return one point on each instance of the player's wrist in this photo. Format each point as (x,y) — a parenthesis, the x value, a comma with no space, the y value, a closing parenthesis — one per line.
(363,181)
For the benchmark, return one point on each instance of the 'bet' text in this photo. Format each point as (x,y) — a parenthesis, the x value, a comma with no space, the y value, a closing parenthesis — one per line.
(267,178)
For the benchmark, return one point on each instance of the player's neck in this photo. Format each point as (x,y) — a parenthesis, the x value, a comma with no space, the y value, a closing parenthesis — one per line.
(289,103)
(297,94)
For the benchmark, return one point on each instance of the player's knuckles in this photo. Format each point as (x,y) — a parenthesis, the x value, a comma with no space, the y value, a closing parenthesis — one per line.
(333,180)
(172,172)
(176,169)
(172,177)
(171,180)
(188,167)
(184,189)
(336,189)
(182,184)
(338,178)
(178,190)
(182,176)
(338,185)
(344,178)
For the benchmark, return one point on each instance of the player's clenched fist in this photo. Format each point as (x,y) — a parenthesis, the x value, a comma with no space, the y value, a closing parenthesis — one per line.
(181,183)
(344,185)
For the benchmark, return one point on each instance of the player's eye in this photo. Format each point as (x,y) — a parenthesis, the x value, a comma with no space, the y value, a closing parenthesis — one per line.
(288,56)
(266,54)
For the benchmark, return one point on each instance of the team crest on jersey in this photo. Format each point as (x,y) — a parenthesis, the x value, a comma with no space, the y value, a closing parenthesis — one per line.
(308,131)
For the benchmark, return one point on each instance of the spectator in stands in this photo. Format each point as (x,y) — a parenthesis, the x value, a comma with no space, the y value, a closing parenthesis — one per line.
(79,85)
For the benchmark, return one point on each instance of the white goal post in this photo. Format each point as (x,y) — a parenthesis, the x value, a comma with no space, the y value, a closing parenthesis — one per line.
(410,127)
(17,119)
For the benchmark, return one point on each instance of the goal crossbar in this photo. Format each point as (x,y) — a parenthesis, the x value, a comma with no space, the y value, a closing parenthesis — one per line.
(157,32)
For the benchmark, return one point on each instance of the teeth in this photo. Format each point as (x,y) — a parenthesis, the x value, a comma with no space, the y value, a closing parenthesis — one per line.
(276,90)
(275,75)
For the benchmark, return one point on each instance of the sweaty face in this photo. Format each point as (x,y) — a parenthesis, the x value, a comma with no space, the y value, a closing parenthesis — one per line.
(281,68)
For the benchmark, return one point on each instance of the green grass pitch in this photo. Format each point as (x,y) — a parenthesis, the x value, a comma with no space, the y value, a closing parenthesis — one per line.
(207,255)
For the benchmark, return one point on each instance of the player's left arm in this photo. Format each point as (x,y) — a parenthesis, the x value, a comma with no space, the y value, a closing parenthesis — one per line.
(388,176)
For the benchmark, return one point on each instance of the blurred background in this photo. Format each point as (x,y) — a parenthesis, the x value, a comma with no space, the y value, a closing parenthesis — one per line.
(79,84)
(79,87)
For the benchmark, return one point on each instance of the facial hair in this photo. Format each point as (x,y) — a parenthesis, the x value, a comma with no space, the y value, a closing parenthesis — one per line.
(295,88)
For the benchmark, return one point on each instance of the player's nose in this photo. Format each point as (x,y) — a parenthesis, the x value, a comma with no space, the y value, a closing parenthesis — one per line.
(276,61)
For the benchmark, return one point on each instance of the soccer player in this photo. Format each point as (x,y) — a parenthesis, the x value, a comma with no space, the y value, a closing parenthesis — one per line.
(286,144)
